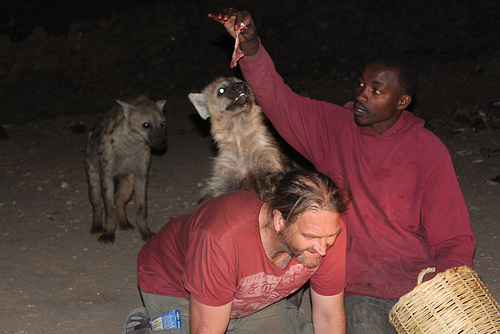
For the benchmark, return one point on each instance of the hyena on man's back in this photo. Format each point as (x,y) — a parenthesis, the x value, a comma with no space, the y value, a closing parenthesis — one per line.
(246,149)
(117,159)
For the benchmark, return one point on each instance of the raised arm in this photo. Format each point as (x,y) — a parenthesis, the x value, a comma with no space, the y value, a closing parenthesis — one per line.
(205,319)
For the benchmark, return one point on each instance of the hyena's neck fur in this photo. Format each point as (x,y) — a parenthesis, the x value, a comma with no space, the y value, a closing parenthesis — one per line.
(248,144)
(125,139)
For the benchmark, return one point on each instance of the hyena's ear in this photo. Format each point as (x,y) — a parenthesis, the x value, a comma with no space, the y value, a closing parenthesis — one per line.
(200,103)
(160,104)
(127,109)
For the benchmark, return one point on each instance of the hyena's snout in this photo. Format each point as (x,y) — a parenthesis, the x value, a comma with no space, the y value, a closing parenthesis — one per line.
(158,139)
(239,95)
(238,89)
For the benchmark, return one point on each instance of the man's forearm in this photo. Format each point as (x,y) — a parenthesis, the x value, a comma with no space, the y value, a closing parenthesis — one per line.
(329,327)
(251,47)
(206,319)
(328,313)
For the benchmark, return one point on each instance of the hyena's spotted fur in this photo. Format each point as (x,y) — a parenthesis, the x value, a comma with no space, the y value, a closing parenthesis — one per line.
(246,149)
(117,159)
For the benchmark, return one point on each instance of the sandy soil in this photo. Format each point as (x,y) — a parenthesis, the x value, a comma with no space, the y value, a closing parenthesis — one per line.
(54,84)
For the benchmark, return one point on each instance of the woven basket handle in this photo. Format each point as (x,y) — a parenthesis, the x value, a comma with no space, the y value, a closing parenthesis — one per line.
(425,272)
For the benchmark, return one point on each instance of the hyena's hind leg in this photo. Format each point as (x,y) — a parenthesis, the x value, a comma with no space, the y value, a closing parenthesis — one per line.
(111,217)
(226,180)
(140,184)
(95,195)
(124,191)
(205,197)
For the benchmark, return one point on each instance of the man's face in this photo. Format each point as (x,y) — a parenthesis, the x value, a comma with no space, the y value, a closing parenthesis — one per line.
(379,102)
(308,239)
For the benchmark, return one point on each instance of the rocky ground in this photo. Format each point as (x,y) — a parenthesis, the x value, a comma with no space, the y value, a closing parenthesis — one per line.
(63,65)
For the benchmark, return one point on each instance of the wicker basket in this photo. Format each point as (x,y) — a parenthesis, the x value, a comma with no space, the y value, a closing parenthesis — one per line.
(455,301)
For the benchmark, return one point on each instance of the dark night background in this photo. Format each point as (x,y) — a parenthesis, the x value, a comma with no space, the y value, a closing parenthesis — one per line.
(64,63)
(75,57)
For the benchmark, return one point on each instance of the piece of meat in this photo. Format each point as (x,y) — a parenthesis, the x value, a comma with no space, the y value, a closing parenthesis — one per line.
(237,53)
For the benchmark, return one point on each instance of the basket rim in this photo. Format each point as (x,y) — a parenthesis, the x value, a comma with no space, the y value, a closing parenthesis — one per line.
(429,304)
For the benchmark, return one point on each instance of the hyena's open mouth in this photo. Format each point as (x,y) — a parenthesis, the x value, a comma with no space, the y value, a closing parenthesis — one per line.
(239,94)
(240,101)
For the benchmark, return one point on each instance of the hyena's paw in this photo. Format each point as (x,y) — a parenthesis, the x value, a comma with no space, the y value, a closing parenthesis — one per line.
(96,230)
(126,226)
(148,235)
(106,239)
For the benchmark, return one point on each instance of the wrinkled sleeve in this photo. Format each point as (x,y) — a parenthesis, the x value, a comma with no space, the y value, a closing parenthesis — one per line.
(303,122)
(445,222)
(210,274)
(330,278)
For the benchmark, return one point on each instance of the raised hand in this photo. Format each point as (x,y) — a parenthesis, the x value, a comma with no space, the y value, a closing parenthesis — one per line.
(232,20)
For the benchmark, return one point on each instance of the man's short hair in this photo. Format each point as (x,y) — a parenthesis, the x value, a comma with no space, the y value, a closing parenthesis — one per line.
(408,74)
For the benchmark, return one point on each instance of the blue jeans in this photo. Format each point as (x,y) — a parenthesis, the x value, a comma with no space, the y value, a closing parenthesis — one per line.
(368,315)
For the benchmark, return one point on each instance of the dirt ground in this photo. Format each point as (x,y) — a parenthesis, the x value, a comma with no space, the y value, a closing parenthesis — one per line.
(63,66)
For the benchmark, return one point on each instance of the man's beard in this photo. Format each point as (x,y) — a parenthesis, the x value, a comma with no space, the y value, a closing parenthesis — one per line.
(308,262)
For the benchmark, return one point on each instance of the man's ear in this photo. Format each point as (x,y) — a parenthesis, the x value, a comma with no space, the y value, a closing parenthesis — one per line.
(278,221)
(404,101)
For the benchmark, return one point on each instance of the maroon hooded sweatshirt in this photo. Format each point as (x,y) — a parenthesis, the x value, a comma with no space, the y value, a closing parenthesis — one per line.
(408,212)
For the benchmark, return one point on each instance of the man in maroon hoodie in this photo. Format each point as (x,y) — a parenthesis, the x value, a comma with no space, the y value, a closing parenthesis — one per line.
(408,212)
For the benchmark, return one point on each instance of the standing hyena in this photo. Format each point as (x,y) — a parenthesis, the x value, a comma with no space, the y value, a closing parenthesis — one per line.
(246,149)
(117,162)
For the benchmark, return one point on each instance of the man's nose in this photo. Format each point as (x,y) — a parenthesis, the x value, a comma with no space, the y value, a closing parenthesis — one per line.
(321,246)
(361,95)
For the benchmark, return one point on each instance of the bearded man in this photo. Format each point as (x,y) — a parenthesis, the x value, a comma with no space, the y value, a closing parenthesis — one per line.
(229,265)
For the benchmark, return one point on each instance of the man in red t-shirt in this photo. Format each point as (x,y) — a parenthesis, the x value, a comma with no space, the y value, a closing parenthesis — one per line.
(229,265)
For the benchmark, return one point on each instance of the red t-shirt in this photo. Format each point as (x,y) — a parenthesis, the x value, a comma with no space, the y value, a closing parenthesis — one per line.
(216,254)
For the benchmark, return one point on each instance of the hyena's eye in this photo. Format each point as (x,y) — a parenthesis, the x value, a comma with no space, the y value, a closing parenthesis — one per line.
(162,124)
(221,91)
(145,125)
